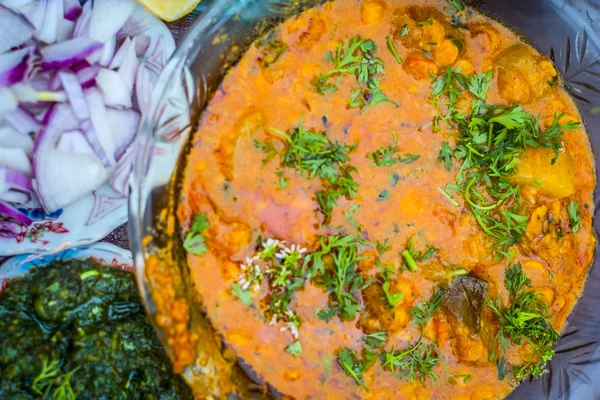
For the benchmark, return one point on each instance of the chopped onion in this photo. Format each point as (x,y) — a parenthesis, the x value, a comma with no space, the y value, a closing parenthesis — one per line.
(15,159)
(15,5)
(72,10)
(65,30)
(15,66)
(108,16)
(128,69)
(22,121)
(100,124)
(48,32)
(67,53)
(114,91)
(85,171)
(11,212)
(120,54)
(16,29)
(122,175)
(8,102)
(14,186)
(68,76)
(35,12)
(123,125)
(74,142)
(13,140)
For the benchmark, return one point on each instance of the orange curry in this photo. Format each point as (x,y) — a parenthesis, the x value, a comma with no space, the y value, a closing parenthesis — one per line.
(382,201)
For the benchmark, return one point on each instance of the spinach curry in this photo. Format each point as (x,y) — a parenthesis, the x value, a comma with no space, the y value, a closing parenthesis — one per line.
(390,199)
(77,330)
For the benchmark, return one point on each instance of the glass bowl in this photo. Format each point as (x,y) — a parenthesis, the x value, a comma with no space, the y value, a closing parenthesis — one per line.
(567,31)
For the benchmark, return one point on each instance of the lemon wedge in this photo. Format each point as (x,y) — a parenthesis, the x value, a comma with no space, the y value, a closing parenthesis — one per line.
(170,10)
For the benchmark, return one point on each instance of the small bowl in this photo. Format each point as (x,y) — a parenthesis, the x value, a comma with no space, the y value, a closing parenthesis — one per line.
(567,31)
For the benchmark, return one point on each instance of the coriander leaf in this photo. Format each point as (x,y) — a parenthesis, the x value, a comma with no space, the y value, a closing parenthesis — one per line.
(195,242)
(244,295)
(445,156)
(375,340)
(352,365)
(479,84)
(412,256)
(391,299)
(294,349)
(405,31)
(574,215)
(384,195)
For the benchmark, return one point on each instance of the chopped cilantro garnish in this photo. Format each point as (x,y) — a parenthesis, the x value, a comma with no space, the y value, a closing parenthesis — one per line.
(244,295)
(195,242)
(415,362)
(392,48)
(412,256)
(574,215)
(294,349)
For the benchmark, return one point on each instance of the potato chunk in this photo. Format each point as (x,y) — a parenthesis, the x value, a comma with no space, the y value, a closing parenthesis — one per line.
(523,76)
(535,166)
(419,66)
(372,11)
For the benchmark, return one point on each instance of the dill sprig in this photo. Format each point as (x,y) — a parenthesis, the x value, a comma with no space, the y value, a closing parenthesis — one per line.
(525,318)
(415,362)
(425,310)
(356,57)
(313,154)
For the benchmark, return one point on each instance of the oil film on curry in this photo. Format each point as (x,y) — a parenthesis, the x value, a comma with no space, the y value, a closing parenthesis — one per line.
(386,199)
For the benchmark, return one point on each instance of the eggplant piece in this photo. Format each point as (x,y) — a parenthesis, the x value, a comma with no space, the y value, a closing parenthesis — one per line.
(464,298)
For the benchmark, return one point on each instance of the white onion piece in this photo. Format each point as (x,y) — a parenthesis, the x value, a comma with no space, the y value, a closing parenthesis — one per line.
(15,159)
(11,212)
(23,121)
(85,172)
(15,29)
(65,30)
(74,142)
(35,12)
(87,76)
(120,54)
(14,186)
(8,102)
(13,140)
(48,32)
(14,66)
(114,90)
(143,88)
(100,124)
(128,70)
(108,17)
(15,5)
(123,125)
(82,26)
(72,10)
(122,175)
(75,95)
(67,53)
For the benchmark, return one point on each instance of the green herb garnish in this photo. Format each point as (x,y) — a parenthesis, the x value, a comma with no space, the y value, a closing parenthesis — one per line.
(415,362)
(388,156)
(425,310)
(313,154)
(195,241)
(393,50)
(294,349)
(412,256)
(355,57)
(524,318)
(244,295)
(574,215)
